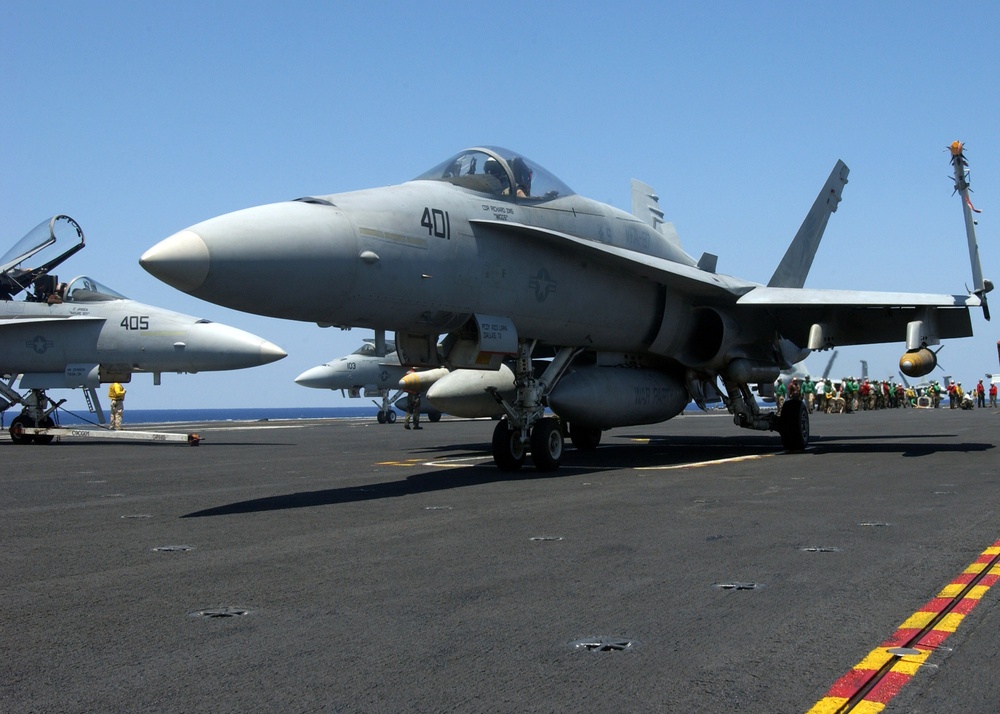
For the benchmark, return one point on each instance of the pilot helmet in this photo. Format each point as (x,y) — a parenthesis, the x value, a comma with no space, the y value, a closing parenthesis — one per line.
(522,174)
(493,168)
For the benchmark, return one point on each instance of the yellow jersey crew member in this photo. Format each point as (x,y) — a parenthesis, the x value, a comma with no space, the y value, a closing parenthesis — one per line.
(116,393)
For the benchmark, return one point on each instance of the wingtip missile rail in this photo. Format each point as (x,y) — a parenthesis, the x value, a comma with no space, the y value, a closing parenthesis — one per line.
(961,164)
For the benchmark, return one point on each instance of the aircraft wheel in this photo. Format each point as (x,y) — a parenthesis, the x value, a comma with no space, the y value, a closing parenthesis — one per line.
(508,451)
(435,417)
(43,439)
(585,438)
(546,444)
(390,416)
(793,426)
(17,434)
(381,417)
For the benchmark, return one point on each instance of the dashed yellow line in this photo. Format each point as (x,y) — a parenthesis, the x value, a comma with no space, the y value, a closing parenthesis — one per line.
(440,463)
(407,462)
(699,464)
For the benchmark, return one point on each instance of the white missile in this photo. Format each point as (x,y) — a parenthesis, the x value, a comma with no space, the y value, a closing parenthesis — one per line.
(463,393)
(421,381)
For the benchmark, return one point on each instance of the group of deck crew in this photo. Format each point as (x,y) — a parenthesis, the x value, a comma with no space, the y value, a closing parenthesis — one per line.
(848,395)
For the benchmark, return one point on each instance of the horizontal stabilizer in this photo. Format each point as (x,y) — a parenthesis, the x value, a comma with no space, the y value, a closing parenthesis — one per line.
(796,297)
(818,319)
(798,259)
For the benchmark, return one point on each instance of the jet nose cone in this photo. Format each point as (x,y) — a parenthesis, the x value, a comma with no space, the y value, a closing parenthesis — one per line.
(220,347)
(181,261)
(270,352)
(317,377)
(294,260)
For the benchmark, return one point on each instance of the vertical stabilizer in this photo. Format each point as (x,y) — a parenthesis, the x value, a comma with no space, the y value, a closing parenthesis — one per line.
(798,259)
(646,207)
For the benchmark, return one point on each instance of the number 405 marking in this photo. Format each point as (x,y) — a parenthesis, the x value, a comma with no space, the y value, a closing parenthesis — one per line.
(135,322)
(437,223)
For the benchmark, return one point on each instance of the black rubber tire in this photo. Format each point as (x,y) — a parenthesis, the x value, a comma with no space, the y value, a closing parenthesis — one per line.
(390,416)
(793,425)
(381,417)
(435,417)
(585,438)
(16,430)
(546,444)
(508,451)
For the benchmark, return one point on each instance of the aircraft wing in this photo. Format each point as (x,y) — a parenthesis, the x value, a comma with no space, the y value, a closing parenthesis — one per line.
(39,330)
(848,317)
(686,278)
(858,317)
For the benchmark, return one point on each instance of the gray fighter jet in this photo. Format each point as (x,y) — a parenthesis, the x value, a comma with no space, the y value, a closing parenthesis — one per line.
(502,258)
(82,334)
(366,372)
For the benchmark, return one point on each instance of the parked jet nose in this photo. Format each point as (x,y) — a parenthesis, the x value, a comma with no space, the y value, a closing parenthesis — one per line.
(211,346)
(181,261)
(321,377)
(295,260)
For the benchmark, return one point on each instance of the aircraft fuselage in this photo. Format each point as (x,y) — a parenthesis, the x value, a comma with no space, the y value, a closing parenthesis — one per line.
(431,262)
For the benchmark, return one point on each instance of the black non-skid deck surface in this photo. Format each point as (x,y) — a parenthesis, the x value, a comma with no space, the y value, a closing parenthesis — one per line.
(350,566)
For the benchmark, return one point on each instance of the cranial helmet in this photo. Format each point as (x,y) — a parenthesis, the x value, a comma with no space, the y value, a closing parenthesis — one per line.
(493,168)
(522,174)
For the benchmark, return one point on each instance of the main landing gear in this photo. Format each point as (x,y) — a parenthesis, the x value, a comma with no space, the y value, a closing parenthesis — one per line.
(35,414)
(526,428)
(792,425)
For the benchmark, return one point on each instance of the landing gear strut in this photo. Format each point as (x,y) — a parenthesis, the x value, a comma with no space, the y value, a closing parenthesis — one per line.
(36,413)
(792,425)
(386,415)
(526,426)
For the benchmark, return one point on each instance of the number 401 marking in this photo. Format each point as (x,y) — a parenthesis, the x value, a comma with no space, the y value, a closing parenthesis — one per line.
(437,223)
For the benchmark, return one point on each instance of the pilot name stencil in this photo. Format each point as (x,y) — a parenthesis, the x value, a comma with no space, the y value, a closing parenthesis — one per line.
(492,331)
(500,213)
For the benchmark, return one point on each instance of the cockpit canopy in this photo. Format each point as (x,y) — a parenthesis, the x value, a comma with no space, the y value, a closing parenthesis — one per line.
(368,349)
(84,289)
(494,170)
(33,257)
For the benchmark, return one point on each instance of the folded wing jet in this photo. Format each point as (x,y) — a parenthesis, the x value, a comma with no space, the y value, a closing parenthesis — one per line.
(505,261)
(82,333)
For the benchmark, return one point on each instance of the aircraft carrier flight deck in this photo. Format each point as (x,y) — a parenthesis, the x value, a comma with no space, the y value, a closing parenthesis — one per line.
(345,565)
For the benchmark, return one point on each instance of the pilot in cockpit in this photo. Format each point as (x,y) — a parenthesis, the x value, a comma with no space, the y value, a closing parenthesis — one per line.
(57,296)
(522,176)
(493,168)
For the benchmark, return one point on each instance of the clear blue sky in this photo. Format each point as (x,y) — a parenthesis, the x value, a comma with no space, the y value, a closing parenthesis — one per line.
(140,119)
